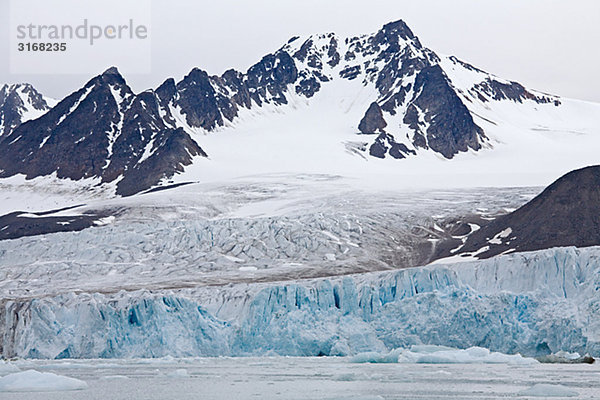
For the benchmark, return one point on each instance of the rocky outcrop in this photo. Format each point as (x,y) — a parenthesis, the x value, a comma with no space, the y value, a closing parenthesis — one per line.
(386,144)
(440,120)
(19,224)
(566,213)
(372,122)
(492,89)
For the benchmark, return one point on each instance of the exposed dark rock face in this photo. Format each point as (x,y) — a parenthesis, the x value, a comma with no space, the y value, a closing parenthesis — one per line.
(234,82)
(465,65)
(308,87)
(350,72)
(172,151)
(396,100)
(72,138)
(373,121)
(435,113)
(106,131)
(19,224)
(101,131)
(152,150)
(402,60)
(199,101)
(566,213)
(493,89)
(16,102)
(386,144)
(334,56)
(450,127)
(268,79)
(391,32)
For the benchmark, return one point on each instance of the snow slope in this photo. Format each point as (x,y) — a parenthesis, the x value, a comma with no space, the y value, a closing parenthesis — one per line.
(529,144)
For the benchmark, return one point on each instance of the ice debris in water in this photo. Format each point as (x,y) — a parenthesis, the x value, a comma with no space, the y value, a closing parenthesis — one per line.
(546,390)
(178,373)
(7,368)
(34,381)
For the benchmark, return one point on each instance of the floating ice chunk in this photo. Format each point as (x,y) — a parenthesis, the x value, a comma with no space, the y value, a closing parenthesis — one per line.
(370,357)
(34,381)
(472,355)
(377,358)
(114,377)
(7,368)
(442,372)
(442,355)
(546,390)
(178,373)
(429,348)
(349,377)
(567,355)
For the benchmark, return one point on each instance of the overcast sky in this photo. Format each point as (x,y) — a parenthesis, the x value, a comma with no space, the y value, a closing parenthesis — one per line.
(549,45)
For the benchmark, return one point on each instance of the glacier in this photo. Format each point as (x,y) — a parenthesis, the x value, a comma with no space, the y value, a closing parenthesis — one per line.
(529,303)
(226,233)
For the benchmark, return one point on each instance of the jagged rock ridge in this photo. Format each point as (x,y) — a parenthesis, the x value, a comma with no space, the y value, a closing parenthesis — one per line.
(101,131)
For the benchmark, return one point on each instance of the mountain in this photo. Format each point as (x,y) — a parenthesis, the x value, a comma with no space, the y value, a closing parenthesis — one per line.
(20,103)
(566,213)
(101,131)
(322,104)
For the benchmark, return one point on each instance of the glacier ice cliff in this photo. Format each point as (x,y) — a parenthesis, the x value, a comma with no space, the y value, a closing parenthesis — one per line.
(530,303)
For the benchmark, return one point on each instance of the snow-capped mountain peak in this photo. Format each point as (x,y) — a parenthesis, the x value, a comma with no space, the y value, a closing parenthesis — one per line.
(20,103)
(332,100)
(102,131)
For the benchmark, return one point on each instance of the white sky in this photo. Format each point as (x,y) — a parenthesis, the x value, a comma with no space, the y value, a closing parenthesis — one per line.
(549,45)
